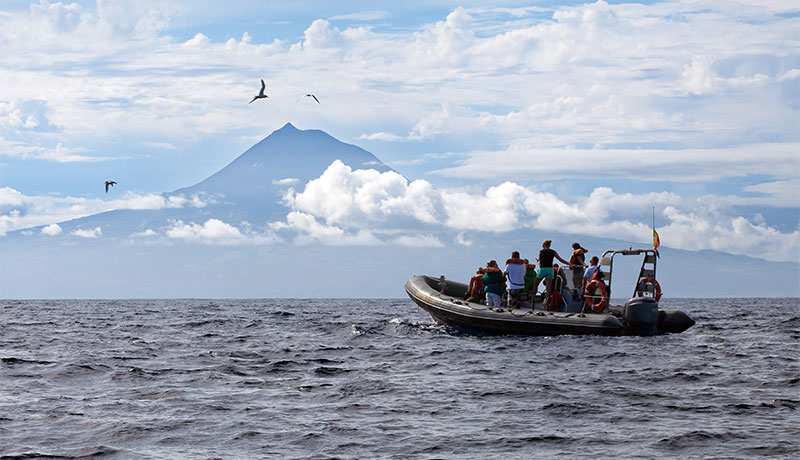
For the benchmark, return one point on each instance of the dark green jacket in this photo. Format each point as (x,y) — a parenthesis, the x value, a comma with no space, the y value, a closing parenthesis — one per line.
(493,282)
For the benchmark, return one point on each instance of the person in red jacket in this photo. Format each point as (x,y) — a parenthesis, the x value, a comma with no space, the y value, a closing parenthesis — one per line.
(475,290)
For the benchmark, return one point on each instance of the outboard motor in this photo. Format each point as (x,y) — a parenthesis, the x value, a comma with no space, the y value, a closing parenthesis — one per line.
(641,316)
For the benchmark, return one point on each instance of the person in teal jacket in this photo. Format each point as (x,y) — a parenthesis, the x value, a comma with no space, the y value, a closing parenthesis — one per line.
(493,282)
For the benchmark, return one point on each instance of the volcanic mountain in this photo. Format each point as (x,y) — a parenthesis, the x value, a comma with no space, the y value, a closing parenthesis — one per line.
(249,189)
(287,154)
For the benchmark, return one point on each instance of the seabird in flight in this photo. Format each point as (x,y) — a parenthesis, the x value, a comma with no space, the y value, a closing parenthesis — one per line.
(109,183)
(261,94)
(311,95)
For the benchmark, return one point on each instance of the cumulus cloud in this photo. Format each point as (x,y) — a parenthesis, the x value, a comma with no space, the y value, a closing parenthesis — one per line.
(25,115)
(345,206)
(362,197)
(321,35)
(215,231)
(310,230)
(96,232)
(52,230)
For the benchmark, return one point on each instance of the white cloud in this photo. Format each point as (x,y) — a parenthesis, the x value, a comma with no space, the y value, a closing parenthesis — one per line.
(698,78)
(161,145)
(145,234)
(419,241)
(18,211)
(198,40)
(685,165)
(287,181)
(363,16)
(506,75)
(782,193)
(52,230)
(344,206)
(311,231)
(387,137)
(463,240)
(90,233)
(215,231)
(364,197)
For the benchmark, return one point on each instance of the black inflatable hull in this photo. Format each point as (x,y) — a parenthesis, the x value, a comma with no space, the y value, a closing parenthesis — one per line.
(447,307)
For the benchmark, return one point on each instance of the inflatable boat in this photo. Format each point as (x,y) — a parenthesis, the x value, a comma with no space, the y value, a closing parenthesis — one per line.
(444,300)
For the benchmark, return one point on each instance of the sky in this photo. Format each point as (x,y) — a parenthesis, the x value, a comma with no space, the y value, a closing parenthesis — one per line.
(576,117)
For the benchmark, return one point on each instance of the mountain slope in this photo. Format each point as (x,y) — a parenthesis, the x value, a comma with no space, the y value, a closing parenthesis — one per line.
(288,153)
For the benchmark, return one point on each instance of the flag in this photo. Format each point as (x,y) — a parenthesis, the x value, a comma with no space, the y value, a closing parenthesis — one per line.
(656,240)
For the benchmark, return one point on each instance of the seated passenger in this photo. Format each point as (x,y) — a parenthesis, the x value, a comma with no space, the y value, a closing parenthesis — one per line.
(515,273)
(493,284)
(475,290)
(587,276)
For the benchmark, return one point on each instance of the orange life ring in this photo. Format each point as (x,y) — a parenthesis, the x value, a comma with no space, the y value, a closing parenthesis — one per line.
(644,282)
(597,304)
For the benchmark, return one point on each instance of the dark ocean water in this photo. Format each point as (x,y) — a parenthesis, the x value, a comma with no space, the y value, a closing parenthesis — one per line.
(365,379)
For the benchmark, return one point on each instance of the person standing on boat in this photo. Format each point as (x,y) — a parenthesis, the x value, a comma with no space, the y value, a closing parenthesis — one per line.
(577,264)
(493,282)
(546,256)
(515,273)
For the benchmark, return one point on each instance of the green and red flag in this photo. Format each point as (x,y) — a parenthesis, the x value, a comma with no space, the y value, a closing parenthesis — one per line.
(656,240)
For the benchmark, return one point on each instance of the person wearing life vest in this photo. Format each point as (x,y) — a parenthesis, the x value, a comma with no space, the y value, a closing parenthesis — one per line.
(475,290)
(546,256)
(577,265)
(515,274)
(493,283)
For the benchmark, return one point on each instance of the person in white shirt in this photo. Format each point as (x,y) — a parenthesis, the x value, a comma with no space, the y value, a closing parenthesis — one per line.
(590,271)
(515,274)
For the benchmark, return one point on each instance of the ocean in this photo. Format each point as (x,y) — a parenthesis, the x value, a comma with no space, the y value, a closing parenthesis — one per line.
(378,379)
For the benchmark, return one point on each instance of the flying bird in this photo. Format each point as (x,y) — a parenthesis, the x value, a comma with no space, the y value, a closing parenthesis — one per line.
(261,94)
(109,183)
(312,96)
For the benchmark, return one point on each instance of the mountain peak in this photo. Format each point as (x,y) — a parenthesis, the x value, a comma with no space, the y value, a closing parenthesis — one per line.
(287,153)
